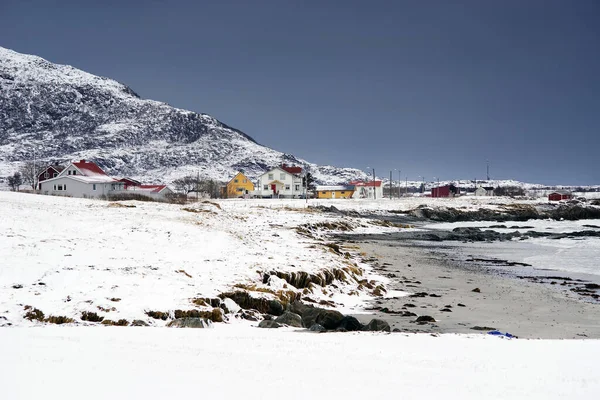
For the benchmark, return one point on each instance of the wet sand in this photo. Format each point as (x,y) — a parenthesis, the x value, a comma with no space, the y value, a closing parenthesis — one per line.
(523,308)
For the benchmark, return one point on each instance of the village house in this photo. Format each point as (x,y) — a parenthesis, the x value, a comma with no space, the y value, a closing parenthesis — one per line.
(240,185)
(82,179)
(444,191)
(484,191)
(367,190)
(51,171)
(560,195)
(281,182)
(157,192)
(334,192)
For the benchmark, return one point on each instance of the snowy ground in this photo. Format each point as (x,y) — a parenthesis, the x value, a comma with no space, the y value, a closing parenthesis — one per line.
(250,363)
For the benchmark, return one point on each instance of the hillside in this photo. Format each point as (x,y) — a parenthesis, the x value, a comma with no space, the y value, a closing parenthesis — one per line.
(52,112)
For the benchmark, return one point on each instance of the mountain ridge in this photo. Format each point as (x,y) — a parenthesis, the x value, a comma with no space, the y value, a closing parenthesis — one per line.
(51,112)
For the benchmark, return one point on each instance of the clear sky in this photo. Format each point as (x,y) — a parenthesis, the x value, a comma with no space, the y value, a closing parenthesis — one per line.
(431,87)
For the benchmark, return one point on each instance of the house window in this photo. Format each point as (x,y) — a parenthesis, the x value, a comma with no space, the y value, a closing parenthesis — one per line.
(343,192)
(54,187)
(245,181)
(239,189)
(270,176)
(46,175)
(60,187)
(65,187)
(94,186)
(54,175)
(235,181)
(74,172)
(297,187)
(69,172)
(324,192)
(287,187)
(266,187)
(282,176)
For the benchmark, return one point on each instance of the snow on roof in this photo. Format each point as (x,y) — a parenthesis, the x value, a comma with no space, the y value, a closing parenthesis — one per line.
(367,184)
(147,188)
(89,168)
(336,187)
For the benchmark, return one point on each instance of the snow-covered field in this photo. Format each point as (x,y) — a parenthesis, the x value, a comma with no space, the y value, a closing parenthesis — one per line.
(237,361)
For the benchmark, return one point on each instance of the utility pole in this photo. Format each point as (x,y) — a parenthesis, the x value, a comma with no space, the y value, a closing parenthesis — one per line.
(407,185)
(488,170)
(374,192)
(390,185)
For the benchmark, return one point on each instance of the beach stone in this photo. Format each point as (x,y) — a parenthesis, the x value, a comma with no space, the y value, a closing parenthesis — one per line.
(330,319)
(269,324)
(461,305)
(17,286)
(446,310)
(409,305)
(190,323)
(425,318)
(377,325)
(476,290)
(350,324)
(291,319)
(250,315)
(483,328)
(139,322)
(317,328)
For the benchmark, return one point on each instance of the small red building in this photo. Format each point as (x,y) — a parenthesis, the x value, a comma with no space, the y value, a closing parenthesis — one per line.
(51,171)
(444,191)
(560,195)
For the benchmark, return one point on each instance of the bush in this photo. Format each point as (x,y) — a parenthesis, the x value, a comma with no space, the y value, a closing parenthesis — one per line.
(91,317)
(58,320)
(34,314)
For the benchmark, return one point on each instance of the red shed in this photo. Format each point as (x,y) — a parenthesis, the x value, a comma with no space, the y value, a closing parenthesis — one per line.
(444,191)
(560,195)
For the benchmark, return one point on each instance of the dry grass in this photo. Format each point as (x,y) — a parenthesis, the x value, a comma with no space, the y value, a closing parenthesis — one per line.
(120,205)
(121,322)
(91,317)
(182,271)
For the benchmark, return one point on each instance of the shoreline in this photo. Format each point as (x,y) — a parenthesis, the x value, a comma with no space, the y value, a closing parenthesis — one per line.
(521,307)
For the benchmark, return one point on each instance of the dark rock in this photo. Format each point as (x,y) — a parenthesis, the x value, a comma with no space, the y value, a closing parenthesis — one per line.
(341,329)
(592,286)
(330,319)
(446,310)
(377,325)
(190,323)
(290,319)
(317,328)
(425,318)
(434,295)
(476,290)
(408,314)
(461,305)
(419,294)
(139,322)
(350,324)
(483,328)
(17,286)
(269,324)
(409,305)
(251,315)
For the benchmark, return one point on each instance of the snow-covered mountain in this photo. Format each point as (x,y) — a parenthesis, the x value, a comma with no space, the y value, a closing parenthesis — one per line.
(52,112)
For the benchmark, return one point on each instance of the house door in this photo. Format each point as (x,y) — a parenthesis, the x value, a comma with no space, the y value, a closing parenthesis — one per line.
(274,188)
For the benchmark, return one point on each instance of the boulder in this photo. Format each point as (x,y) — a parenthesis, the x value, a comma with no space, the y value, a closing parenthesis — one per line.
(377,325)
(269,324)
(330,319)
(230,306)
(317,328)
(290,319)
(350,323)
(139,322)
(190,323)
(425,318)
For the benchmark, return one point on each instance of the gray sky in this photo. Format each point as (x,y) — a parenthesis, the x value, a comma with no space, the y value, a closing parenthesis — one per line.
(434,88)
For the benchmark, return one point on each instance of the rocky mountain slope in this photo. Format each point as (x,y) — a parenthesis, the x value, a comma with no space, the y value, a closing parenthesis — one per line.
(51,112)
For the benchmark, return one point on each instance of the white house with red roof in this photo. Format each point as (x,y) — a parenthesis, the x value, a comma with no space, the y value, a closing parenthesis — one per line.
(280,182)
(367,189)
(82,179)
(157,192)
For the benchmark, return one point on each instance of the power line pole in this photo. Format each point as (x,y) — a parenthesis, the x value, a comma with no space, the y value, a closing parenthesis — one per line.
(390,185)
(374,193)
(488,170)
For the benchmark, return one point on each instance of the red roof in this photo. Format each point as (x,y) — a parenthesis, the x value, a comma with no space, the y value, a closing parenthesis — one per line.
(291,170)
(88,168)
(367,184)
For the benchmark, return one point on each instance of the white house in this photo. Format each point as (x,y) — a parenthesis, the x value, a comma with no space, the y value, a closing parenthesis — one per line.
(367,189)
(82,179)
(280,182)
(157,192)
(484,191)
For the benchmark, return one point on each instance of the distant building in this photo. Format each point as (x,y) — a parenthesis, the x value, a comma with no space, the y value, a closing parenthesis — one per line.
(280,182)
(81,179)
(239,186)
(335,192)
(484,191)
(367,189)
(560,195)
(444,191)
(51,171)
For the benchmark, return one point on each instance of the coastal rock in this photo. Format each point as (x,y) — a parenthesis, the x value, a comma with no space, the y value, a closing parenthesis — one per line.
(377,325)
(317,328)
(483,328)
(190,323)
(330,319)
(269,324)
(139,322)
(350,324)
(290,319)
(476,290)
(425,318)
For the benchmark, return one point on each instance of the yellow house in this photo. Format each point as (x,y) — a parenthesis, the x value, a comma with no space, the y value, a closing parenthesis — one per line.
(238,186)
(334,192)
